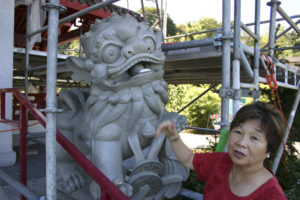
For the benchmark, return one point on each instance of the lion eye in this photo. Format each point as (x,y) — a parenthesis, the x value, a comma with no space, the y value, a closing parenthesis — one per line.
(110,53)
(149,44)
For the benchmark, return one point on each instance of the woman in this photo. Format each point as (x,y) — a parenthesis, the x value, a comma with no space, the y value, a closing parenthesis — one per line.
(255,132)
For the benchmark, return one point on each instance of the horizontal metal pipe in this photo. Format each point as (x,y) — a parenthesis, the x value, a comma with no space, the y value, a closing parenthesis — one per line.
(288,19)
(280,84)
(195,33)
(203,129)
(36,135)
(283,48)
(18,186)
(247,85)
(268,21)
(285,85)
(189,44)
(287,67)
(45,66)
(191,194)
(75,15)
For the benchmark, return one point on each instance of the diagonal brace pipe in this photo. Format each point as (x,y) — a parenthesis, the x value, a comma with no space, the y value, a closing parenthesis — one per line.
(18,186)
(245,64)
(281,34)
(288,19)
(287,131)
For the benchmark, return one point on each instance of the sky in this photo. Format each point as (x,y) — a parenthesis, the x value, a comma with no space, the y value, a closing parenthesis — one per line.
(191,10)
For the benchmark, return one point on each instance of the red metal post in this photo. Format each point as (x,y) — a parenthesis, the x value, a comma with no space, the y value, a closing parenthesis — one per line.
(23,147)
(104,196)
(3,105)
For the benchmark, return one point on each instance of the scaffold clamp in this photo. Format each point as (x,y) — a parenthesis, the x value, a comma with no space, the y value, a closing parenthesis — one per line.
(59,7)
(273,2)
(230,93)
(218,39)
(250,93)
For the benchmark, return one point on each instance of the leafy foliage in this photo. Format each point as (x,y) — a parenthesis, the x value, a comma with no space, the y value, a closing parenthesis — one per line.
(290,39)
(193,183)
(70,48)
(152,20)
(198,112)
(197,26)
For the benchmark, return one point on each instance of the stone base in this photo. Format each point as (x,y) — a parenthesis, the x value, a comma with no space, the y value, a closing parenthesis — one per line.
(7,158)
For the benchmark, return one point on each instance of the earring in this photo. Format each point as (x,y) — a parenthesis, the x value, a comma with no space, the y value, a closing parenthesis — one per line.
(268,155)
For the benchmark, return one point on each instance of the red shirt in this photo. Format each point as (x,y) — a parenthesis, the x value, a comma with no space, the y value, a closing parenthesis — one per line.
(214,169)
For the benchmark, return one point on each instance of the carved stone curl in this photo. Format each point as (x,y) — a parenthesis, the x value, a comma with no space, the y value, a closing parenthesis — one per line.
(116,118)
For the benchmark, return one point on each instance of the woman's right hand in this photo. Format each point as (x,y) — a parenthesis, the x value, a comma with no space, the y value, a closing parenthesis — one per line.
(183,153)
(168,128)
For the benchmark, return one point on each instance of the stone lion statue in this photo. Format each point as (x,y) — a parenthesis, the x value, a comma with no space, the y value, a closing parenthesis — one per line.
(115,120)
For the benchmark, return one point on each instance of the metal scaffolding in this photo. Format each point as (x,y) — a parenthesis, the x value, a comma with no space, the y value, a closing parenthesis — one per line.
(227,92)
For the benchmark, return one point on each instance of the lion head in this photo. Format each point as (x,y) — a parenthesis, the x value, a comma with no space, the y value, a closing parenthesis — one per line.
(120,52)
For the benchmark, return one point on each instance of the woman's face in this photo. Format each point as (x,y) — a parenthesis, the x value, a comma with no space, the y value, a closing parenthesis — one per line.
(247,145)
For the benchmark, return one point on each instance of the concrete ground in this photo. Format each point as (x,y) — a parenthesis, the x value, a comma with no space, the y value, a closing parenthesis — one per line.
(35,176)
(36,170)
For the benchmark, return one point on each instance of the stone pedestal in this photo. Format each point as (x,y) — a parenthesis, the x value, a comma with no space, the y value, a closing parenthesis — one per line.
(7,155)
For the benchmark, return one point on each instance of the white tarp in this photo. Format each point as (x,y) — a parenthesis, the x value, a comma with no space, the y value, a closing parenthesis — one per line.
(37,17)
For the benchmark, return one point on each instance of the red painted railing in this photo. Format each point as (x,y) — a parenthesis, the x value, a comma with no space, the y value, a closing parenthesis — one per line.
(108,189)
(38,100)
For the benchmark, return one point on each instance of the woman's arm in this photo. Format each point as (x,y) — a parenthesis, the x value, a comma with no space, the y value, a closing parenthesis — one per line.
(183,153)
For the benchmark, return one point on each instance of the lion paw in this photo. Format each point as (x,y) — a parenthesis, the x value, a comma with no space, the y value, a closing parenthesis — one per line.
(69,177)
(73,182)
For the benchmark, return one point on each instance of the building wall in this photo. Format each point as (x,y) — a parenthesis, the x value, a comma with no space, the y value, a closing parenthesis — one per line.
(7,155)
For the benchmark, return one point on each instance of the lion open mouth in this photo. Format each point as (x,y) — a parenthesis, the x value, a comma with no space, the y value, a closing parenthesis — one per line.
(136,69)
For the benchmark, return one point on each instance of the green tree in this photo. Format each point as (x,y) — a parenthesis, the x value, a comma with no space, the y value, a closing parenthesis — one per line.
(197,113)
(70,48)
(290,39)
(197,26)
(152,20)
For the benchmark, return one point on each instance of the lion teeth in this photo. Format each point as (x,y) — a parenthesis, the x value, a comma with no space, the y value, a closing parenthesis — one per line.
(136,69)
(144,71)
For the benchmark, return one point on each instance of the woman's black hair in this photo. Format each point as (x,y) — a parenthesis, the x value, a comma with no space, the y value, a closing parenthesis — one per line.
(271,122)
